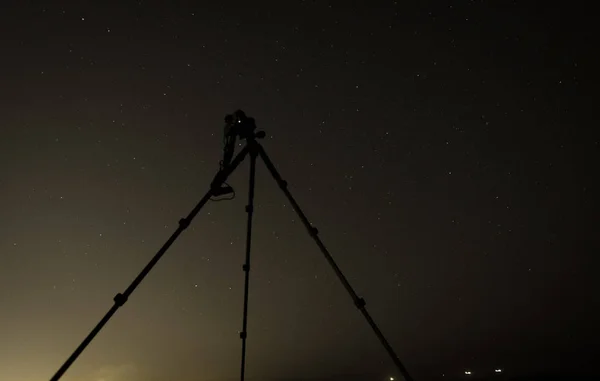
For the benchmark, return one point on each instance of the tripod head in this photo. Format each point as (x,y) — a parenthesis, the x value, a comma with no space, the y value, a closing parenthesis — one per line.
(236,125)
(239,125)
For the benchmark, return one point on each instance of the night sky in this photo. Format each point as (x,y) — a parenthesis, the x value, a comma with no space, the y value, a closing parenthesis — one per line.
(444,150)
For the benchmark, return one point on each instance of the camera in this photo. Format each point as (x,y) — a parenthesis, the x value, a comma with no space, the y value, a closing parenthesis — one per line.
(238,124)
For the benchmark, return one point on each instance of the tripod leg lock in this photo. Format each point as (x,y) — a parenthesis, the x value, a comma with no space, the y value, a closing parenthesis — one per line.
(246,267)
(120,299)
(282,184)
(314,231)
(242,335)
(360,303)
(184,223)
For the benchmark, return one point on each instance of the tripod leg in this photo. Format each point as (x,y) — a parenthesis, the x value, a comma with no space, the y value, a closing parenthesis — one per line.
(358,302)
(246,267)
(120,299)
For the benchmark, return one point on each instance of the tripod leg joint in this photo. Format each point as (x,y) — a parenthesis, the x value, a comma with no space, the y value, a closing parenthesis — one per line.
(249,208)
(360,303)
(184,223)
(243,335)
(120,299)
(314,231)
(282,183)
(246,267)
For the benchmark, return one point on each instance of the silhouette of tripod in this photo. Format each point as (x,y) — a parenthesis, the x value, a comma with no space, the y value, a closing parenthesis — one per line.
(238,125)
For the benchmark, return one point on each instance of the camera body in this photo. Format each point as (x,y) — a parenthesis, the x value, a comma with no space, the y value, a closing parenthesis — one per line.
(238,124)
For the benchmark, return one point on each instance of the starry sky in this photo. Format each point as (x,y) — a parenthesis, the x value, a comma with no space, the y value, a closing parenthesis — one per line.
(443,149)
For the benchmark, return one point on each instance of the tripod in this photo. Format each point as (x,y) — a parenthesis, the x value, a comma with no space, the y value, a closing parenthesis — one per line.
(253,148)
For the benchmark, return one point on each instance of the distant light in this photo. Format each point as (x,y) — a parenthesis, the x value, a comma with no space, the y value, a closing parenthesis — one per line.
(468,372)
(498,370)
(391,378)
